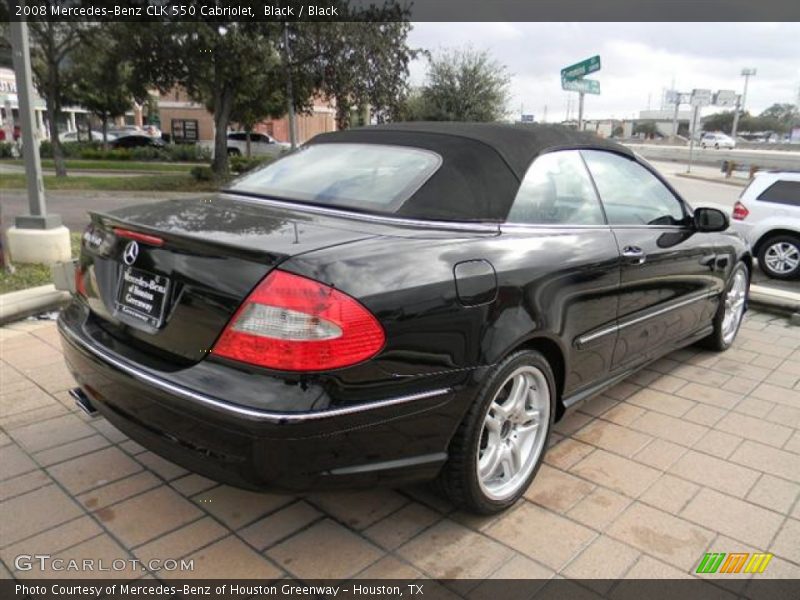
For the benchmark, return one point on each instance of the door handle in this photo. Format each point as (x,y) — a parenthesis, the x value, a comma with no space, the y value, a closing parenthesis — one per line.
(634,255)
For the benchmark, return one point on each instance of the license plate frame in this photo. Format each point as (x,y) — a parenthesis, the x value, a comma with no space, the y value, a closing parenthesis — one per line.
(142,296)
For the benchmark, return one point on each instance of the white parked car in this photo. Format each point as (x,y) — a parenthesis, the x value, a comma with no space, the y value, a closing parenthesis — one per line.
(72,136)
(261,144)
(768,216)
(717,140)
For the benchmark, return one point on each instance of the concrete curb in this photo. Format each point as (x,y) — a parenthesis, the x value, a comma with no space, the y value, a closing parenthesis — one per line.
(24,303)
(783,300)
(722,180)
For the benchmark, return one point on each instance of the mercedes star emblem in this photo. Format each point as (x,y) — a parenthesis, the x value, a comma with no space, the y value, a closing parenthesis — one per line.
(130,253)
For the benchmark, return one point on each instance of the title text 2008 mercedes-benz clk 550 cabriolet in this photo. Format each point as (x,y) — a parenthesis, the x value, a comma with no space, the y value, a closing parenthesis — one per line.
(394,304)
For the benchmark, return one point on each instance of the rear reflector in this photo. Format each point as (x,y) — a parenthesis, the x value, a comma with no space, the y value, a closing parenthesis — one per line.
(292,323)
(740,211)
(139,237)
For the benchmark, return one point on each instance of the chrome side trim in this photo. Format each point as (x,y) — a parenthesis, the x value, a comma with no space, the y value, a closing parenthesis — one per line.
(242,411)
(477,227)
(590,337)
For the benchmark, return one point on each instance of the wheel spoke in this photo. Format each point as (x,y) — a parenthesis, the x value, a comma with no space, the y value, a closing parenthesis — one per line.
(489,461)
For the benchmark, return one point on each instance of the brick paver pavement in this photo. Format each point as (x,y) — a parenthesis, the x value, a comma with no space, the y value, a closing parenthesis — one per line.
(699,452)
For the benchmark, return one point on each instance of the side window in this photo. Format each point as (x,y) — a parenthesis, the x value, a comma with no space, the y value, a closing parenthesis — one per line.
(557,190)
(782,192)
(631,194)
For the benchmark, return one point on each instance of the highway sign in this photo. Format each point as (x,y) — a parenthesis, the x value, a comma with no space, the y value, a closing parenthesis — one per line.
(725,98)
(587,86)
(578,70)
(701,97)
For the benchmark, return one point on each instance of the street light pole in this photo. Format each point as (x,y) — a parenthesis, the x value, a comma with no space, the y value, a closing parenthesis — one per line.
(38,218)
(580,111)
(746,73)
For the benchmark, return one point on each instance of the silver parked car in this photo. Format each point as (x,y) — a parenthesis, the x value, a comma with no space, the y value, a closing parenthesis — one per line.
(768,216)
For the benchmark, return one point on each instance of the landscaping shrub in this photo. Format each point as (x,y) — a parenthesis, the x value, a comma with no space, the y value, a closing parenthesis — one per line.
(242,164)
(6,150)
(202,173)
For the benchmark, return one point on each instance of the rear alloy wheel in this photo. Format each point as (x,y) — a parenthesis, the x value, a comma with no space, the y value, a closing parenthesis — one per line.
(779,257)
(716,146)
(731,309)
(501,442)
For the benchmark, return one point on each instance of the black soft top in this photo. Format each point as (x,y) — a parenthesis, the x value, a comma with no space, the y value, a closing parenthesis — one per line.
(482,163)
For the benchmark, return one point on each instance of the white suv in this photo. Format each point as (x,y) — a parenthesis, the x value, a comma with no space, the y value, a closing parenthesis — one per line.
(768,216)
(260,144)
(717,140)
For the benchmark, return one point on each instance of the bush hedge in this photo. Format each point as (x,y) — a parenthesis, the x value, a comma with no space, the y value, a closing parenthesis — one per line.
(95,151)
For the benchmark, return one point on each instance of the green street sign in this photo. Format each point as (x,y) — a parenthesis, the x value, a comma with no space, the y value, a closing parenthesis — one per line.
(581,69)
(587,86)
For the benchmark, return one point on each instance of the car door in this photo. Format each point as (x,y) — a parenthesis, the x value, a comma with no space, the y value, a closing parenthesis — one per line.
(669,270)
(559,251)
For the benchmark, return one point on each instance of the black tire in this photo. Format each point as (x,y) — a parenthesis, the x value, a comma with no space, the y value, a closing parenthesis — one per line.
(716,146)
(764,247)
(234,152)
(458,479)
(703,146)
(716,341)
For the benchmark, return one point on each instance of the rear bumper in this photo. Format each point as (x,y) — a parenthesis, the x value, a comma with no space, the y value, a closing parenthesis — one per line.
(388,441)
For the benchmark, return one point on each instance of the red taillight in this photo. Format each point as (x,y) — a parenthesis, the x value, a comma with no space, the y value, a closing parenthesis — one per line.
(291,323)
(80,286)
(740,211)
(139,237)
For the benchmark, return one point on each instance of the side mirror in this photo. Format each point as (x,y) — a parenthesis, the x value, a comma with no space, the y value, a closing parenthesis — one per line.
(710,219)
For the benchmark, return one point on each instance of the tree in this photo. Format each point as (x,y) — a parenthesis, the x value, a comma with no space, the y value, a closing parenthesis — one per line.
(103,75)
(779,117)
(358,64)
(216,62)
(52,45)
(722,121)
(265,98)
(646,128)
(461,85)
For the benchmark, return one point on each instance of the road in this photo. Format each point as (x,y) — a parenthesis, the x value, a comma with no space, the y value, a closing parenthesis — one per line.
(771,159)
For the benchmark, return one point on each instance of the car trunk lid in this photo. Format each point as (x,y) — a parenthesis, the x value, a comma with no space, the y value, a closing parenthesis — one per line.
(167,277)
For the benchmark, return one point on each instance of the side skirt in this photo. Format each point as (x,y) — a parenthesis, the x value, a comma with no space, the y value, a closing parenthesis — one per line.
(585,394)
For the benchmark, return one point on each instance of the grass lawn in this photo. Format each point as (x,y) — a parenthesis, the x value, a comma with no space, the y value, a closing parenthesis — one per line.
(178,182)
(112,165)
(28,276)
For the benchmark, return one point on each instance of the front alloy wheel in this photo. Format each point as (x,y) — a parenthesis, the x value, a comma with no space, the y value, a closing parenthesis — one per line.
(730,312)
(501,441)
(780,257)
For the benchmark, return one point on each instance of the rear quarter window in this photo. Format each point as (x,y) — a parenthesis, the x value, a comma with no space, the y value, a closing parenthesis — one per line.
(371,177)
(782,192)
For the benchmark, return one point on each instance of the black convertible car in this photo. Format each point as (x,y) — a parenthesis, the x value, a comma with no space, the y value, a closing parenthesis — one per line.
(393,304)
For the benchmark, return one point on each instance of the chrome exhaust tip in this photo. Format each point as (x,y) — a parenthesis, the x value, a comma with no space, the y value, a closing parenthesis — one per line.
(82,401)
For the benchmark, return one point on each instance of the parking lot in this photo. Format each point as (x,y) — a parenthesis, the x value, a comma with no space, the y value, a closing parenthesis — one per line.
(698,453)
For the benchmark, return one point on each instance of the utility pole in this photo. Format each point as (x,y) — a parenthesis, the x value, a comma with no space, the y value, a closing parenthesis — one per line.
(691,137)
(580,111)
(747,74)
(289,86)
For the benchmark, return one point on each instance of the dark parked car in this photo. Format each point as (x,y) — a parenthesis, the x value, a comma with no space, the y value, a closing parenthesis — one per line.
(395,304)
(137,141)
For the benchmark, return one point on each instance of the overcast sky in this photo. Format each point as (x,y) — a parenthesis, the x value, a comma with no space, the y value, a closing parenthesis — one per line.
(639,61)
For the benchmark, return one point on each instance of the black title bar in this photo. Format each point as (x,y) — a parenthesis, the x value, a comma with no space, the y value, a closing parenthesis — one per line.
(413,10)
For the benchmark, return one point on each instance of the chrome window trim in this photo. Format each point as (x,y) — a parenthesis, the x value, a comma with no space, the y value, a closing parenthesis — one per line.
(590,337)
(478,226)
(236,410)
